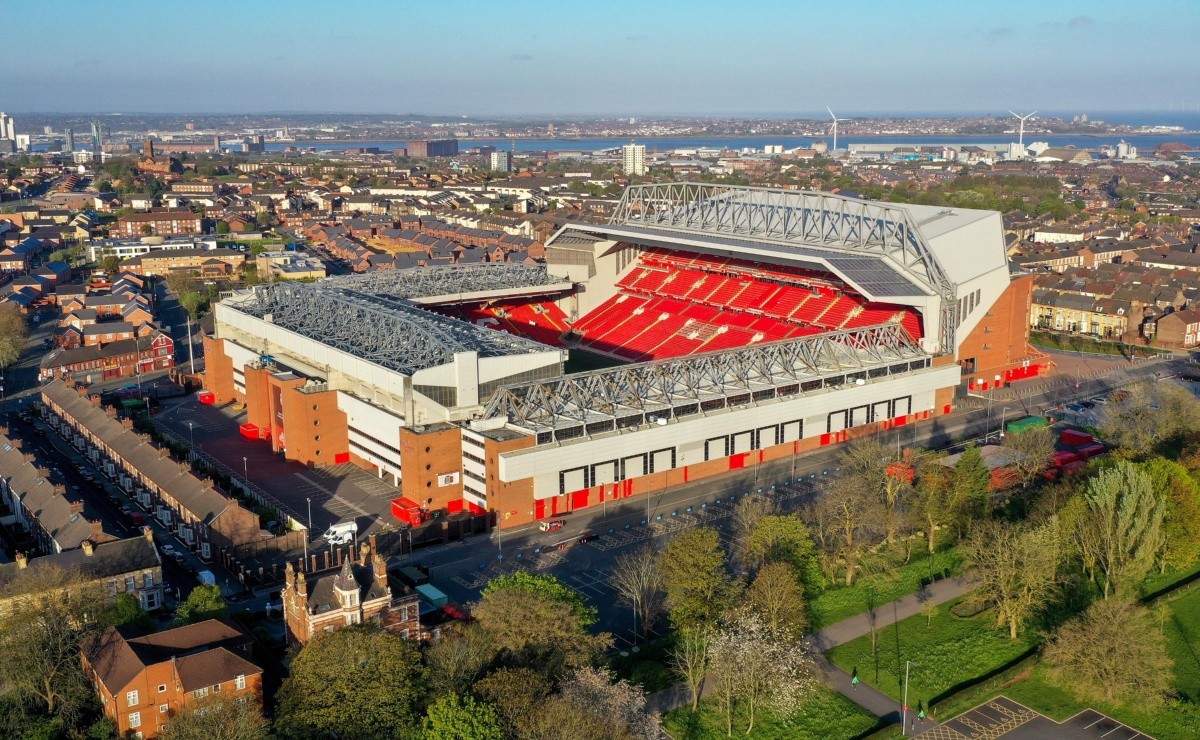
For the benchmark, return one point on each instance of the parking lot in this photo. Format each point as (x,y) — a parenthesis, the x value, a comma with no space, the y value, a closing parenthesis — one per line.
(1004,718)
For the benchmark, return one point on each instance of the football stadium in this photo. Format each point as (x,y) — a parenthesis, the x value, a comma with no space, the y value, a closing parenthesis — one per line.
(705,328)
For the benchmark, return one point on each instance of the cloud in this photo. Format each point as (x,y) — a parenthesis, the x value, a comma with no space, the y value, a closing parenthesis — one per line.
(1081,21)
(1000,33)
(520,57)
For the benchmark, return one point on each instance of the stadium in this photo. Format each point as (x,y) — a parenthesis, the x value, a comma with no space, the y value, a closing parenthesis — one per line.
(705,328)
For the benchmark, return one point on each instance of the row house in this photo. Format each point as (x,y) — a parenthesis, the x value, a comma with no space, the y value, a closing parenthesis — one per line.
(1180,329)
(191,507)
(123,358)
(208,262)
(1108,318)
(52,520)
(143,682)
(130,565)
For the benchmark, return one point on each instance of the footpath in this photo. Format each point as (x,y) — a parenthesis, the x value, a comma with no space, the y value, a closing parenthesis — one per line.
(867,697)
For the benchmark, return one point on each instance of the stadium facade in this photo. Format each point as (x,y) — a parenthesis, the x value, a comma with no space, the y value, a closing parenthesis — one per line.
(736,326)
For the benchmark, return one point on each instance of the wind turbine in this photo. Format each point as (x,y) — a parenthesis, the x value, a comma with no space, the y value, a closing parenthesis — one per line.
(833,129)
(1021,135)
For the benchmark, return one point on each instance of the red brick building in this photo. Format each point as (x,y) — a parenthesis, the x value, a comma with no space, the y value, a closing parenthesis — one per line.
(143,681)
(160,223)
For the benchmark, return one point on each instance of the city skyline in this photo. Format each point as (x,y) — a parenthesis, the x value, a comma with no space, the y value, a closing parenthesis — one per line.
(572,59)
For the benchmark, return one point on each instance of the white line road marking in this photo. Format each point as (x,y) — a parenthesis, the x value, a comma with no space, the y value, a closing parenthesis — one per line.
(335,496)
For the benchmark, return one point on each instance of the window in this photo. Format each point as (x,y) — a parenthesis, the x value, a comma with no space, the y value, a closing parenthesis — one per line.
(163,708)
(162,688)
(131,698)
(239,683)
(216,688)
(128,584)
(135,719)
(147,580)
(200,693)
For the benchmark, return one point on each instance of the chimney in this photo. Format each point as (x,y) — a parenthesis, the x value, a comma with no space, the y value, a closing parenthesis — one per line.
(364,554)
(96,530)
(4,429)
(43,471)
(127,423)
(87,547)
(163,452)
(95,401)
(22,561)
(15,441)
(76,506)
(28,457)
(148,534)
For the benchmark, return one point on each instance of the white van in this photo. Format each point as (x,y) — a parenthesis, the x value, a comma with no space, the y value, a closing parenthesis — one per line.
(206,578)
(341,533)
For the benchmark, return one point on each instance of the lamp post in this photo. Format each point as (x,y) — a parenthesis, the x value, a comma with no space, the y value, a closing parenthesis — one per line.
(904,706)
(1003,416)
(246,474)
(308,532)
(192,439)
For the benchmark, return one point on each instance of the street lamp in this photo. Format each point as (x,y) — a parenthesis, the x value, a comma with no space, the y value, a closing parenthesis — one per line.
(904,706)
(308,532)
(192,438)
(246,474)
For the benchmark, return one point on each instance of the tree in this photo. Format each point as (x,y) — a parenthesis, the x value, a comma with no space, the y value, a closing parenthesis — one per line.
(638,580)
(457,660)
(128,611)
(776,596)
(111,264)
(619,702)
(784,539)
(932,501)
(1017,566)
(750,510)
(689,658)
(1112,653)
(194,303)
(698,586)
(216,718)
(1125,526)
(1147,414)
(222,227)
(752,666)
(971,483)
(451,717)
(1181,520)
(146,229)
(204,602)
(845,520)
(1033,448)
(47,614)
(517,693)
(872,465)
(536,621)
(356,682)
(14,331)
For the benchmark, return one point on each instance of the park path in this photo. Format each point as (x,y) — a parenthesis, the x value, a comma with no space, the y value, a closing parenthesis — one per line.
(867,697)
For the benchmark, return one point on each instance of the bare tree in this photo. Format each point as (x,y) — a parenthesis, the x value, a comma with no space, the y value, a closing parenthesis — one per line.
(13,332)
(689,658)
(844,519)
(777,598)
(216,718)
(1017,567)
(1033,449)
(880,471)
(1112,653)
(749,512)
(1125,526)
(1147,413)
(638,580)
(932,502)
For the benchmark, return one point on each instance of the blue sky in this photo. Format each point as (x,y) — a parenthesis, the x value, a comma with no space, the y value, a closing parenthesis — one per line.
(622,57)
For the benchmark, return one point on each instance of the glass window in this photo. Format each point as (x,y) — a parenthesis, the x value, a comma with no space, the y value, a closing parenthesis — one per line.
(162,688)
(163,708)
(135,719)
(200,693)
(131,698)
(240,682)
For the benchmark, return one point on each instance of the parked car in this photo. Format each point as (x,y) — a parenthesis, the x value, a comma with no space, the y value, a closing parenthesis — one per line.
(551,525)
(170,552)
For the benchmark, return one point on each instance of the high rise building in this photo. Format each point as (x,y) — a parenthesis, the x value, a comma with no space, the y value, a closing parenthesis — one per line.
(634,156)
(435,148)
(69,146)
(97,135)
(501,161)
(7,127)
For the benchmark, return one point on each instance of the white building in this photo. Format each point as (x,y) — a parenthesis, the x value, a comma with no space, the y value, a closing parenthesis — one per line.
(501,161)
(634,157)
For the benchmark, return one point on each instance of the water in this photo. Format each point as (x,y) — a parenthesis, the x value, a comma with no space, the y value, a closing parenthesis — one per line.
(1144,142)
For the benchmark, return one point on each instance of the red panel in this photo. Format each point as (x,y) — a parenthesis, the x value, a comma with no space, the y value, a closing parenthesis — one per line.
(475,508)
(554,506)
(341,457)
(946,409)
(824,439)
(900,421)
(454,506)
(539,509)
(579,500)
(737,461)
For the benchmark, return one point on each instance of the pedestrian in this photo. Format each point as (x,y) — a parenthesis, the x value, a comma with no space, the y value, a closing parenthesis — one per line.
(854,681)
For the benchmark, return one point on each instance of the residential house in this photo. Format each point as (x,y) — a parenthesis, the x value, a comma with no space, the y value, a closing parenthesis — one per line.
(1179,329)
(142,682)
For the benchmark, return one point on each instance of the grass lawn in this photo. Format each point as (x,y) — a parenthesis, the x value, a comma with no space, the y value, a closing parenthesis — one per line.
(1157,581)
(826,716)
(884,581)
(946,652)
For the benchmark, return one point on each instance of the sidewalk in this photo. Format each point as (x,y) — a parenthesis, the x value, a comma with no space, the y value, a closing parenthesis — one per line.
(867,697)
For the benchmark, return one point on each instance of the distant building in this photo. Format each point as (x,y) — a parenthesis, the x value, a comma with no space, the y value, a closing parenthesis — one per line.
(7,127)
(501,161)
(143,681)
(634,158)
(433,148)
(160,223)
(69,146)
(1126,150)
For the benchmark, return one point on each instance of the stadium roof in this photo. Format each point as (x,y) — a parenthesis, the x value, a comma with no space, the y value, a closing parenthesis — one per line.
(450,280)
(633,395)
(385,330)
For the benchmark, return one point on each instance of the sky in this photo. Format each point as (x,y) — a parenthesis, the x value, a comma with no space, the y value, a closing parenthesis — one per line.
(598,57)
